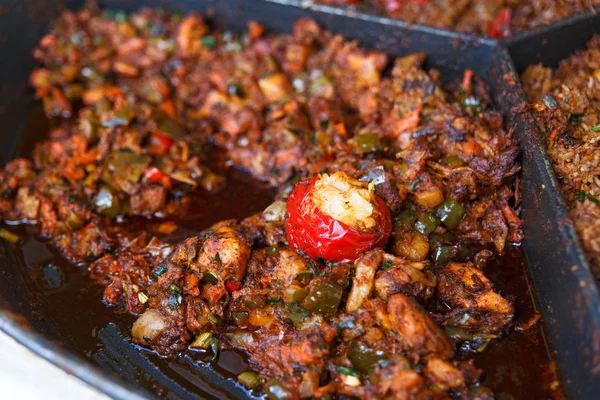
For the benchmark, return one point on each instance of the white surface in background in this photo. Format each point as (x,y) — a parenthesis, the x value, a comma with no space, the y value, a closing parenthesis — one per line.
(25,376)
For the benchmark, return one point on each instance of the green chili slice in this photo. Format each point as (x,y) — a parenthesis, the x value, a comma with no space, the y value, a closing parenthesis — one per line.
(450,212)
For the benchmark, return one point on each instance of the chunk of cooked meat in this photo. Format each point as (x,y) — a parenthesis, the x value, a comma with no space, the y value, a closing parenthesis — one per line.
(444,374)
(223,253)
(148,327)
(469,292)
(409,278)
(418,331)
(362,282)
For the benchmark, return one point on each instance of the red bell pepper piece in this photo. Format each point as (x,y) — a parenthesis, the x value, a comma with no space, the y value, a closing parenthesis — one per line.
(320,235)
(232,287)
(501,27)
(155,175)
(165,141)
(395,6)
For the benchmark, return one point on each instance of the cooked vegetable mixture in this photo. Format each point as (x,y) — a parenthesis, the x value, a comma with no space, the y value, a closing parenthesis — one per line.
(566,102)
(495,18)
(362,279)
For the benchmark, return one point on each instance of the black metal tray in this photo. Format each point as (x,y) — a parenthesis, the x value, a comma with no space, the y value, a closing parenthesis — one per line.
(566,290)
(550,44)
(361,10)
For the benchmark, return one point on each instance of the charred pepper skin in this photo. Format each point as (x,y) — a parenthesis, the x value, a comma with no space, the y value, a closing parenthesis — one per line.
(321,236)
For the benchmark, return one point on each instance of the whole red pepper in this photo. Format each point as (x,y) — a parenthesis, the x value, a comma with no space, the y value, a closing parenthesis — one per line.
(320,235)
(501,27)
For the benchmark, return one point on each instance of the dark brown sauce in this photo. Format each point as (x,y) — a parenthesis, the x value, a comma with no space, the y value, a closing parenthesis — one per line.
(517,366)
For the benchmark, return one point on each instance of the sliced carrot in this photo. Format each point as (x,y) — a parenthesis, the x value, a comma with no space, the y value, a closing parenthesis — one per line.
(62,100)
(255,30)
(73,173)
(411,121)
(471,147)
(168,108)
(161,87)
(509,214)
(86,158)
(341,129)
(467,80)
(113,92)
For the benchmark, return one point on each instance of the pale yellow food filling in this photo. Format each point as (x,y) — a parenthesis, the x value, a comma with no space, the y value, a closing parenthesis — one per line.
(346,199)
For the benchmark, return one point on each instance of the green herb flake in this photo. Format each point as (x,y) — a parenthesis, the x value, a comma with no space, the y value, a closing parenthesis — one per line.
(575,118)
(347,371)
(595,128)
(175,288)
(387,264)
(235,89)
(218,258)
(581,196)
(120,16)
(209,42)
(159,271)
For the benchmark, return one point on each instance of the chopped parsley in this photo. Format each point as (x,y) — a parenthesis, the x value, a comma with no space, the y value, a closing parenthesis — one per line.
(159,271)
(575,118)
(348,371)
(581,196)
(387,264)
(209,42)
